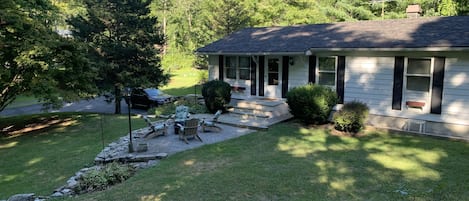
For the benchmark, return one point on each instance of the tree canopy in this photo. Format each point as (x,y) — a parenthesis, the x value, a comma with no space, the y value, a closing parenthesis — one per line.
(124,42)
(36,59)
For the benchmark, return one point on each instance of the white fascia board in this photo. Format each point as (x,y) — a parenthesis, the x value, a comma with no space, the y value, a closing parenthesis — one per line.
(251,53)
(427,49)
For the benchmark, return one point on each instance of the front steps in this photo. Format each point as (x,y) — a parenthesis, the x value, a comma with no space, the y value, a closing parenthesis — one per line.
(256,113)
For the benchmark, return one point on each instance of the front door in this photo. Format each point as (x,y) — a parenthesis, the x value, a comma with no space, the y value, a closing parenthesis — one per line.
(273,77)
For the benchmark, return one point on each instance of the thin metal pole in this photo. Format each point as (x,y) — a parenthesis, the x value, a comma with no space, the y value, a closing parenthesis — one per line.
(131,147)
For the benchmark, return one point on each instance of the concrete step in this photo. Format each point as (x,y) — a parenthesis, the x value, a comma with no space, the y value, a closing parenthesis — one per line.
(251,112)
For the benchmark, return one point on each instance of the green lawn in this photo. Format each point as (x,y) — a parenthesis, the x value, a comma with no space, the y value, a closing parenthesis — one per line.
(291,162)
(41,152)
(183,82)
(23,100)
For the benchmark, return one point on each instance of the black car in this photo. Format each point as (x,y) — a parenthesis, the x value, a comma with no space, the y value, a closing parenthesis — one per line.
(149,97)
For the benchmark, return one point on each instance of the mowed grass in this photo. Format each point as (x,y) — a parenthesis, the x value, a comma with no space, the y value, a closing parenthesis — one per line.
(183,81)
(293,162)
(23,100)
(39,153)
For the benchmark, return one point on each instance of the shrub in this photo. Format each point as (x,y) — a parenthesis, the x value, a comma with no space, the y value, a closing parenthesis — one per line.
(352,117)
(101,178)
(217,94)
(311,103)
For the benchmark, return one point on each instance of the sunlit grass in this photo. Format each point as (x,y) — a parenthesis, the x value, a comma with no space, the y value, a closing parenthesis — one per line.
(183,81)
(39,155)
(293,162)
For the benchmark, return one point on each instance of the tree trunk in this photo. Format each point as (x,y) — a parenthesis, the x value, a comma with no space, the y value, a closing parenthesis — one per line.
(118,98)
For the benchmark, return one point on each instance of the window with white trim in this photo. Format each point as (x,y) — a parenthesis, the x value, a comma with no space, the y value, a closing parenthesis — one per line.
(418,74)
(244,68)
(238,67)
(418,80)
(273,71)
(327,71)
(230,67)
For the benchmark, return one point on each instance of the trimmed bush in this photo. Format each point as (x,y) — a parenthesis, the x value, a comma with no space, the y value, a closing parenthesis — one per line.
(217,94)
(311,103)
(352,117)
(108,175)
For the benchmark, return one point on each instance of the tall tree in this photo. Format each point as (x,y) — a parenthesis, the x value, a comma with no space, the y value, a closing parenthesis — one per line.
(35,59)
(124,41)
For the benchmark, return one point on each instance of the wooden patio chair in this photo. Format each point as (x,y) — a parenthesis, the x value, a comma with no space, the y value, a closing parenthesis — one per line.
(189,130)
(211,124)
(156,128)
(180,116)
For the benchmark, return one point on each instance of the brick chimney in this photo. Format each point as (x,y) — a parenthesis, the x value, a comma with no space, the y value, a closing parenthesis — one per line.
(413,11)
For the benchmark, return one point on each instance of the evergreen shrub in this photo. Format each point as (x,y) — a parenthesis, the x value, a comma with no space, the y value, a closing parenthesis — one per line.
(217,94)
(311,103)
(352,117)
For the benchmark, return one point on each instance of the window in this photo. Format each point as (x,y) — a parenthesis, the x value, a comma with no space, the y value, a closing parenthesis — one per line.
(244,68)
(273,71)
(327,71)
(418,74)
(238,67)
(230,66)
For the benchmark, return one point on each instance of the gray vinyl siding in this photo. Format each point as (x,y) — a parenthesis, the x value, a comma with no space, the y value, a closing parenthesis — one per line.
(369,80)
(298,73)
(456,91)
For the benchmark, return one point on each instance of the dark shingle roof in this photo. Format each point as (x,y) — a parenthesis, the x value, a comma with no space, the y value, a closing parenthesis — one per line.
(424,32)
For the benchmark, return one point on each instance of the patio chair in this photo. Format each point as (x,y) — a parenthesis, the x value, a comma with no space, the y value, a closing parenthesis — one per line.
(156,128)
(211,124)
(181,115)
(189,130)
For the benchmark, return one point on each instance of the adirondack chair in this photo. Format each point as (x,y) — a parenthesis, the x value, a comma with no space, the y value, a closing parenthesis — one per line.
(189,130)
(181,115)
(211,124)
(156,128)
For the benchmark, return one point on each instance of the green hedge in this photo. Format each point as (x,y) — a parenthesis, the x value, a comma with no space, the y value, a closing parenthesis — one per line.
(311,103)
(217,94)
(352,117)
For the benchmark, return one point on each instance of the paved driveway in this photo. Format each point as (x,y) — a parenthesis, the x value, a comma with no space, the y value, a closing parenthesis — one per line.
(98,105)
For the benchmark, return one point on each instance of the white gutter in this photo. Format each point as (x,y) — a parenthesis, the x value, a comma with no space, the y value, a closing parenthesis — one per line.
(426,49)
(250,53)
(313,50)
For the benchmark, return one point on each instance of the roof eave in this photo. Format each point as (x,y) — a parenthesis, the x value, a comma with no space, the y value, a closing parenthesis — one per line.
(249,53)
(398,49)
(313,50)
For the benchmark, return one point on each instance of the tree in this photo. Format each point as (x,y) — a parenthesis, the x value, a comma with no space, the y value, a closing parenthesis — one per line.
(123,42)
(448,8)
(36,59)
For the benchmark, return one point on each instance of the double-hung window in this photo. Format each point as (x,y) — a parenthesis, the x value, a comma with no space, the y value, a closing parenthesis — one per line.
(327,71)
(418,74)
(244,68)
(238,67)
(230,67)
(273,67)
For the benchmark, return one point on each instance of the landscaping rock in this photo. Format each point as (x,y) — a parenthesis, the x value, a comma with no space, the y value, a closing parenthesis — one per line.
(161,155)
(57,194)
(22,197)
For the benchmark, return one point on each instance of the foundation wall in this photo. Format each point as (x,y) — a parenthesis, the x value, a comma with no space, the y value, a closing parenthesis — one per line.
(432,128)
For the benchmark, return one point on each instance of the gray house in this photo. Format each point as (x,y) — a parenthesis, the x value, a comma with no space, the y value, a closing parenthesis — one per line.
(413,73)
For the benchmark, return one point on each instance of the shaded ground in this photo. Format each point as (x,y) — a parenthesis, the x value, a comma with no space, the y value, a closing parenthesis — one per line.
(97,105)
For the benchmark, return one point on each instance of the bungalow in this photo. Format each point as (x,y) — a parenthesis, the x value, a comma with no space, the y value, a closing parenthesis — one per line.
(412,73)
